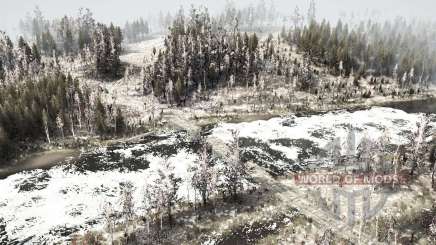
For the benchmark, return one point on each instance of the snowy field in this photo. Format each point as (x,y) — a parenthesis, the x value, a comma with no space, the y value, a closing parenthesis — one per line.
(49,205)
(299,140)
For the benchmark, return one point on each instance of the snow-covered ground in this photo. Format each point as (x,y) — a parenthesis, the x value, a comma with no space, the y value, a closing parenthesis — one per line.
(46,205)
(373,122)
(49,205)
(138,53)
(300,139)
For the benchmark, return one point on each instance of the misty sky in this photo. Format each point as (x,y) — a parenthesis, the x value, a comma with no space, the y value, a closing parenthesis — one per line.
(118,11)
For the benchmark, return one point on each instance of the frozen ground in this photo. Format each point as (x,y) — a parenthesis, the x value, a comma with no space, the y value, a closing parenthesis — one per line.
(138,53)
(239,101)
(279,141)
(49,205)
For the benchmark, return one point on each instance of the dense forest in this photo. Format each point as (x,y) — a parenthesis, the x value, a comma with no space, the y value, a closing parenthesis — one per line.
(202,53)
(401,50)
(199,54)
(54,106)
(38,100)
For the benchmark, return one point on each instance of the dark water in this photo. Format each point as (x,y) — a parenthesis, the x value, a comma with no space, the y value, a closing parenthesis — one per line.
(417,106)
(95,161)
(41,160)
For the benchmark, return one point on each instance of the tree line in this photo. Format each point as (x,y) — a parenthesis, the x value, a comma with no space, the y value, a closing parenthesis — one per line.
(67,35)
(400,50)
(38,100)
(260,17)
(54,106)
(136,30)
(99,45)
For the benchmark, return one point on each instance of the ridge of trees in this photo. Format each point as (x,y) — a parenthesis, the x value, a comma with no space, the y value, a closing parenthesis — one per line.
(401,50)
(96,43)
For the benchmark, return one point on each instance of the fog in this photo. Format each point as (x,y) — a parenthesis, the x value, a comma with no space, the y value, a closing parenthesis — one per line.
(119,11)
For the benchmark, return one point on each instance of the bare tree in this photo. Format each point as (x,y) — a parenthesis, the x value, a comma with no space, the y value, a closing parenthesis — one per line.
(327,238)
(60,124)
(417,141)
(432,231)
(383,154)
(166,187)
(365,151)
(334,148)
(45,122)
(204,176)
(127,204)
(235,170)
(350,143)
(432,160)
(109,217)
(169,92)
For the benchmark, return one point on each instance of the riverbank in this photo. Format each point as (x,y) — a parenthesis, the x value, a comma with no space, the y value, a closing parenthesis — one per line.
(45,158)
(39,160)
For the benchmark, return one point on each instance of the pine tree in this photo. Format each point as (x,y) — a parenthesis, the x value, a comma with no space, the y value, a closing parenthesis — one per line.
(100,117)
(311,13)
(120,124)
(5,146)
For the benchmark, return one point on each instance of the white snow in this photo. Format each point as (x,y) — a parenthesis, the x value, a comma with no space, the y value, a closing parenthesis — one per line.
(73,199)
(372,122)
(39,211)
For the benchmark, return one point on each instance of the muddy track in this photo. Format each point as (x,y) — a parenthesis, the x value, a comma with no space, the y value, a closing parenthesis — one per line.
(288,196)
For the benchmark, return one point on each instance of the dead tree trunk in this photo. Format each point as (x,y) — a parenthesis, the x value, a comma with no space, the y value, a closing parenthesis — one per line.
(433,165)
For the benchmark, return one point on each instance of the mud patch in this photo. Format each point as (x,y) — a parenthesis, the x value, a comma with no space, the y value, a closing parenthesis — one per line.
(95,162)
(307,147)
(373,125)
(263,155)
(38,181)
(322,133)
(64,231)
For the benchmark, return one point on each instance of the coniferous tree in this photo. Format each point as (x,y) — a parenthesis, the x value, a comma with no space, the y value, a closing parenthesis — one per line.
(120,124)
(200,53)
(369,48)
(100,117)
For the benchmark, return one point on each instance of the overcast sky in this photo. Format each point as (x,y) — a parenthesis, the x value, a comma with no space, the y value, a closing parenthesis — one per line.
(118,11)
